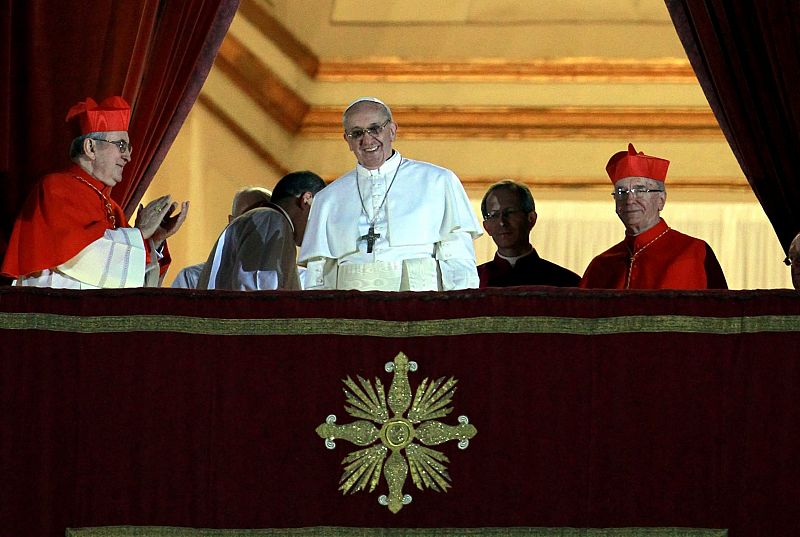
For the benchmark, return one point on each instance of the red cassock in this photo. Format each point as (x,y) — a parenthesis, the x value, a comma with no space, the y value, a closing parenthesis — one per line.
(61,216)
(659,258)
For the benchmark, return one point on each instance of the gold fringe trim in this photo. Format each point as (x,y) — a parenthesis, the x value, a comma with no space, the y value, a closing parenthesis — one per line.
(401,329)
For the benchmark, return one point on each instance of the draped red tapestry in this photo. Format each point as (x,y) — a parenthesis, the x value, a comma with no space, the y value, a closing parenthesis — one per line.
(54,53)
(746,57)
(592,408)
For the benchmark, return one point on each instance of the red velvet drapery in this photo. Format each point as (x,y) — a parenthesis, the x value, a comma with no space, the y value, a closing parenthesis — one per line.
(183,45)
(746,57)
(54,53)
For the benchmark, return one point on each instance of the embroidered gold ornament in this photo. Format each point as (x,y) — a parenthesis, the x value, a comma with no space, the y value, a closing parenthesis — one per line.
(399,436)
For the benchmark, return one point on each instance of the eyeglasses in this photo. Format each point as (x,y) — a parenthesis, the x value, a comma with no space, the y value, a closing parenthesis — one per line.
(122,145)
(372,130)
(622,193)
(506,213)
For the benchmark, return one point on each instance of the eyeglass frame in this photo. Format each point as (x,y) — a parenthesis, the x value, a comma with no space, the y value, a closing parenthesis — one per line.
(620,194)
(122,145)
(506,213)
(369,130)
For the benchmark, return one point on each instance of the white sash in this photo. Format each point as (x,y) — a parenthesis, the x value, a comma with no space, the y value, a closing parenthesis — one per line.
(115,260)
(408,275)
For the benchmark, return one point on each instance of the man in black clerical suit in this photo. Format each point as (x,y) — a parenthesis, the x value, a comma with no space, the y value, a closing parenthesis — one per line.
(509,214)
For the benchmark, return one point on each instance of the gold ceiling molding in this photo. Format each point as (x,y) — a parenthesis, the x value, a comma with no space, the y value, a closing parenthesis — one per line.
(242,135)
(515,123)
(295,115)
(257,81)
(478,184)
(586,70)
(276,32)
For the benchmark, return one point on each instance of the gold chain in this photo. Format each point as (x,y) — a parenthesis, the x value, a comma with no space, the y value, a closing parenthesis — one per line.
(106,202)
(634,255)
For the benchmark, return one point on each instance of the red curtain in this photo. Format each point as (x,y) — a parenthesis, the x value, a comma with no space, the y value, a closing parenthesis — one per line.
(745,55)
(54,53)
(183,45)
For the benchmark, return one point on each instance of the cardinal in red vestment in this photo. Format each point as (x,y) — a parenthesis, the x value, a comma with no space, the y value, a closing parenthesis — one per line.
(653,255)
(70,233)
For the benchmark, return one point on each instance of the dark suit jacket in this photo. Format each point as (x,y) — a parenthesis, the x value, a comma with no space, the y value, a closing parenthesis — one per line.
(528,270)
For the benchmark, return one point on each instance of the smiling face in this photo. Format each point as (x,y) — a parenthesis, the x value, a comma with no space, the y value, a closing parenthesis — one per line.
(507,223)
(107,161)
(640,212)
(371,151)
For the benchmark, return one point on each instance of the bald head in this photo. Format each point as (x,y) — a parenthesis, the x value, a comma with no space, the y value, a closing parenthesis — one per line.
(247,198)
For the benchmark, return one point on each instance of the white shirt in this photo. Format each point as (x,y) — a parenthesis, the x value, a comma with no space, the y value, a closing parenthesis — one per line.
(255,252)
(188,277)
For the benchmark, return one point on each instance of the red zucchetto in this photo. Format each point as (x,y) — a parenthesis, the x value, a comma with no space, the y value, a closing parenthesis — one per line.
(632,164)
(112,114)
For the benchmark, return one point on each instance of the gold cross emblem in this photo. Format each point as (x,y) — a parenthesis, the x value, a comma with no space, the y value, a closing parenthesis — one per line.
(401,437)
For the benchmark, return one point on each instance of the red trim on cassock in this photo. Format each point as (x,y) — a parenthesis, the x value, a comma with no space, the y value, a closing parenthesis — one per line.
(164,262)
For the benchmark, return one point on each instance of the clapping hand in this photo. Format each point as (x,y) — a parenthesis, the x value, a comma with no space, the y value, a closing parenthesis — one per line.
(171,223)
(157,221)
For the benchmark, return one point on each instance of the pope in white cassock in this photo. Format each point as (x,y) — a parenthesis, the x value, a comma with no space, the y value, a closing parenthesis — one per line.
(392,223)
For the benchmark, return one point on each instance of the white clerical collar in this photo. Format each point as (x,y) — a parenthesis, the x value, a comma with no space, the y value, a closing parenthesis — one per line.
(387,168)
(273,206)
(513,260)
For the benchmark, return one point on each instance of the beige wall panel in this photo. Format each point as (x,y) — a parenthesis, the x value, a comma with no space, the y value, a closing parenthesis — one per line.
(512,42)
(270,55)
(568,11)
(278,8)
(509,94)
(310,21)
(353,11)
(257,123)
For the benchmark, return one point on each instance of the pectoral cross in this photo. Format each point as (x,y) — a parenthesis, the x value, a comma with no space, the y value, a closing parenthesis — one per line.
(370,238)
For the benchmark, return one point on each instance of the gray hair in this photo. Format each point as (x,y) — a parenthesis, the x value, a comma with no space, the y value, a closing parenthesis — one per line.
(76,146)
